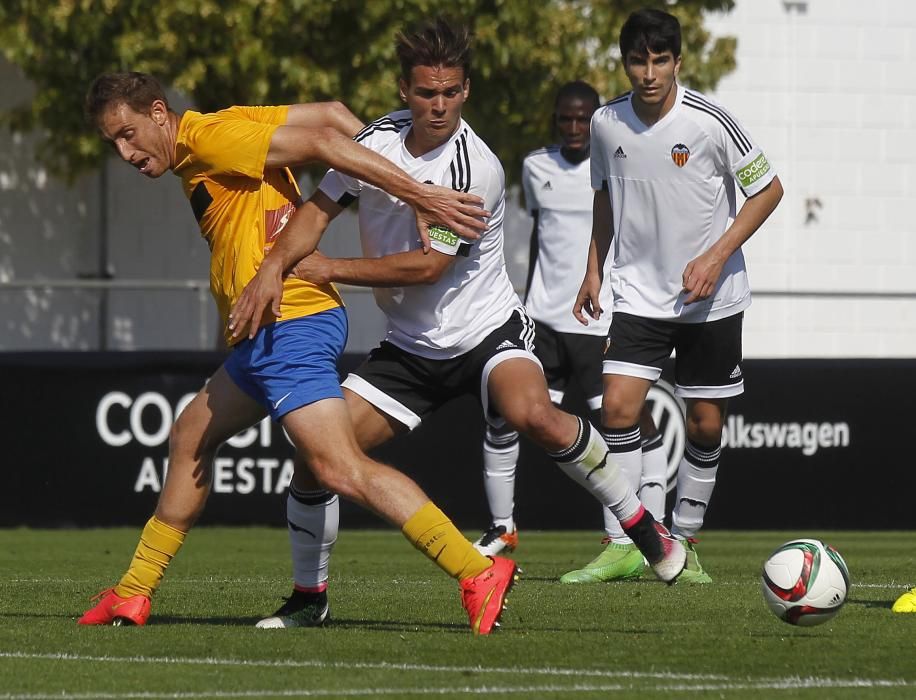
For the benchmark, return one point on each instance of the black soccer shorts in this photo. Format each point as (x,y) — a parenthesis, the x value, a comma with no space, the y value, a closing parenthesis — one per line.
(707,355)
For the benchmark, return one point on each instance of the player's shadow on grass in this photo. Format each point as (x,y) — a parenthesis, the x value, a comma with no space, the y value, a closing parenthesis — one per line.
(38,616)
(796,632)
(337,623)
(508,625)
(389,626)
(884,604)
(191,620)
(647,581)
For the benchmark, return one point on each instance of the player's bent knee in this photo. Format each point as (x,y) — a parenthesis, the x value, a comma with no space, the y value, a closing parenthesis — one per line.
(704,430)
(329,476)
(340,475)
(618,414)
(542,422)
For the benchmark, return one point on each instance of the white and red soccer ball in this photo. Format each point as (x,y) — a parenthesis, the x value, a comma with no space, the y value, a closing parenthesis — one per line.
(805,582)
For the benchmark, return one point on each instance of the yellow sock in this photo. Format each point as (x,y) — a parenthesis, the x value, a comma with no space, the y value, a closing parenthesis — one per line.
(158,544)
(430,531)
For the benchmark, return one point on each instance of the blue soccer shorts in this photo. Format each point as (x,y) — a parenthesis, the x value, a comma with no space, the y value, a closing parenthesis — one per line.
(290,364)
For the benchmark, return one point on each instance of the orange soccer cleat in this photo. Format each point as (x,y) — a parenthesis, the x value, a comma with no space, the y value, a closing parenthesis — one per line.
(484,595)
(112,609)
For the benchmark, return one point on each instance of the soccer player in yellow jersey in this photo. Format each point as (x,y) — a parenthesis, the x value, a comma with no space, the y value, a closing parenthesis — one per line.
(234,167)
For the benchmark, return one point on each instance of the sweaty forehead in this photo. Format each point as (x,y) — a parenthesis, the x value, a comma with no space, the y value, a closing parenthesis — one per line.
(115,118)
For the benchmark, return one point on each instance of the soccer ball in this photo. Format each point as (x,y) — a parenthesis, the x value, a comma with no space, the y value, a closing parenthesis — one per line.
(805,582)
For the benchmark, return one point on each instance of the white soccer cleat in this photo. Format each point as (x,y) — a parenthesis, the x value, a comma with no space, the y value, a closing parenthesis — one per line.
(665,554)
(674,560)
(497,540)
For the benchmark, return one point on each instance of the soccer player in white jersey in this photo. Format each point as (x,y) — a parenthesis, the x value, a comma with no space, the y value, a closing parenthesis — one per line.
(455,324)
(557,186)
(665,162)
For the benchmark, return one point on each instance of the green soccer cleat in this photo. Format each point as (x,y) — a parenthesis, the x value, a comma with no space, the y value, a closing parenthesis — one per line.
(618,562)
(693,572)
(906,603)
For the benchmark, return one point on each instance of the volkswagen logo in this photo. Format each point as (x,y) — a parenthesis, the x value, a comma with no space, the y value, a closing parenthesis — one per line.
(668,411)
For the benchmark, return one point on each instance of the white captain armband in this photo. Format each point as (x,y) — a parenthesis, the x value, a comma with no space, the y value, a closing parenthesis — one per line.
(446,241)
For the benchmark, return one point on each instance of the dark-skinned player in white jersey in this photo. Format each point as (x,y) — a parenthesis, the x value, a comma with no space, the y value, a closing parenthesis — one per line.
(557,184)
(455,324)
(665,163)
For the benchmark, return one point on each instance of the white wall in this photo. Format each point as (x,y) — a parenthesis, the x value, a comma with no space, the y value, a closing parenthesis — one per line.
(47,230)
(50,230)
(828,89)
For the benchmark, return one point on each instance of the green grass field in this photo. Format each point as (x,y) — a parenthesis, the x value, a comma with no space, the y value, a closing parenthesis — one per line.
(398,628)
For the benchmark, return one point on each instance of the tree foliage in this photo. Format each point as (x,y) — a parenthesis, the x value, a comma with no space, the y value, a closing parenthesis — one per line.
(223,52)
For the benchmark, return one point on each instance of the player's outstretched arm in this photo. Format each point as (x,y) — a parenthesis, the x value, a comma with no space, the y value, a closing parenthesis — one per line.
(459,211)
(588,301)
(702,273)
(321,114)
(396,270)
(298,239)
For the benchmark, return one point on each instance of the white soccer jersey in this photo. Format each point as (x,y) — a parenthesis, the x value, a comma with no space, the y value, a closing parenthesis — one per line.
(560,193)
(672,188)
(474,296)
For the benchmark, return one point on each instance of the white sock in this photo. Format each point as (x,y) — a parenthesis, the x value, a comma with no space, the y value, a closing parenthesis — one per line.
(613,529)
(696,478)
(653,488)
(312,518)
(623,444)
(500,456)
(588,463)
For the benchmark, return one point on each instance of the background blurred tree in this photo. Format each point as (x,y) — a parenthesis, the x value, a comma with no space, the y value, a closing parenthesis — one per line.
(224,52)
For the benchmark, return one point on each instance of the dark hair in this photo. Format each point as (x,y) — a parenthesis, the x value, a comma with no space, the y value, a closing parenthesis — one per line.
(578,89)
(436,43)
(650,30)
(137,90)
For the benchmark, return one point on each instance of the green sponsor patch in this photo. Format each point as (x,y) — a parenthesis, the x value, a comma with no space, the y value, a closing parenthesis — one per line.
(752,172)
(443,235)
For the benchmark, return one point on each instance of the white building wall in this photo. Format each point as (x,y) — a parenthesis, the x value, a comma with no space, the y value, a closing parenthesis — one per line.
(53,231)
(48,230)
(828,89)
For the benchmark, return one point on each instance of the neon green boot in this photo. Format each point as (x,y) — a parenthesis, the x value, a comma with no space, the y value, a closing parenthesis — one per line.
(618,562)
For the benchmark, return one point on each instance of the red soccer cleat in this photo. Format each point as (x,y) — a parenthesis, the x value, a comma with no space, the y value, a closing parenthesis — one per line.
(484,595)
(112,609)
